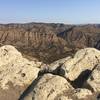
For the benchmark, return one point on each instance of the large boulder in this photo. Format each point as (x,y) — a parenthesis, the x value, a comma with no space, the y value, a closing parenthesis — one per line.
(48,87)
(16,71)
(83,62)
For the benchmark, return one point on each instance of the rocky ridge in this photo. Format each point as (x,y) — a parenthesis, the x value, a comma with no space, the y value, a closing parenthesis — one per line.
(71,78)
(76,71)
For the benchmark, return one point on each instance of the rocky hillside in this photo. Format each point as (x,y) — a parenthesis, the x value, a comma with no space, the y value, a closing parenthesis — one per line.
(49,42)
(70,78)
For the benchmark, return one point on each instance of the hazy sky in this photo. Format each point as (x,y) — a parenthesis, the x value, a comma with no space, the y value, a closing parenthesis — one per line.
(66,11)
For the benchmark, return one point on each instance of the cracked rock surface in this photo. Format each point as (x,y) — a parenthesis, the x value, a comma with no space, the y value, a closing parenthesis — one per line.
(15,69)
(94,79)
(70,78)
(84,59)
(48,87)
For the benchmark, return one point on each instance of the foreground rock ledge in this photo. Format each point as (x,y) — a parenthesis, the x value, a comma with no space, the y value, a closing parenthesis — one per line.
(54,87)
(53,82)
(15,69)
(48,87)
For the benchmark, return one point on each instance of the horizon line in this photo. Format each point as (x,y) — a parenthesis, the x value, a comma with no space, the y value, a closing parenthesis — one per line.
(44,22)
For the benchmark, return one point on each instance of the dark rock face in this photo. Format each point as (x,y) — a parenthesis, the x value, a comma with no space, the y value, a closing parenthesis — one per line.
(49,42)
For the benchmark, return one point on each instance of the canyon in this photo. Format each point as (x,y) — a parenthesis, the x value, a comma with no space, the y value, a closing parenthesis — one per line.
(49,42)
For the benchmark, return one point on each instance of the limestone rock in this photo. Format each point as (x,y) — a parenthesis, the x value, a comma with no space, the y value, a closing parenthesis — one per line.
(63,98)
(84,59)
(8,54)
(82,93)
(75,94)
(54,68)
(57,63)
(48,87)
(16,73)
(94,80)
(15,69)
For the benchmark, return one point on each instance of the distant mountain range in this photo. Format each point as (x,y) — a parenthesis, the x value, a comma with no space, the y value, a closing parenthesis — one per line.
(50,42)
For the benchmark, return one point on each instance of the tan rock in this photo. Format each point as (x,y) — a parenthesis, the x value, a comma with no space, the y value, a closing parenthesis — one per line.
(7,54)
(94,79)
(64,98)
(82,93)
(57,63)
(48,87)
(54,67)
(15,69)
(84,59)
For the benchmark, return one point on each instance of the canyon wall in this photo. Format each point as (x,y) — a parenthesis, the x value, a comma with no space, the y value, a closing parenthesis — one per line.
(49,42)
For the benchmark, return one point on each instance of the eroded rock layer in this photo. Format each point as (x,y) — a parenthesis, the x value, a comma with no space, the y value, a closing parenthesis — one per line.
(49,42)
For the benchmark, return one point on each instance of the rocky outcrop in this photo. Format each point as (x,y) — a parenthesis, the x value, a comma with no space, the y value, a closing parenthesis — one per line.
(15,71)
(68,78)
(73,68)
(71,78)
(48,87)
(84,61)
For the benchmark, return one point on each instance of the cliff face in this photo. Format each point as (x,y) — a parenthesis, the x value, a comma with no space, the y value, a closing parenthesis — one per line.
(49,42)
(82,36)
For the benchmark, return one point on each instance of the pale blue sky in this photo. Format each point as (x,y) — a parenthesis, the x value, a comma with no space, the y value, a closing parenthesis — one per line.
(59,11)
